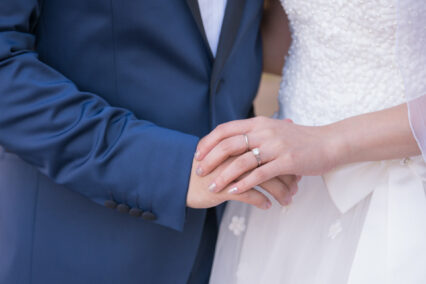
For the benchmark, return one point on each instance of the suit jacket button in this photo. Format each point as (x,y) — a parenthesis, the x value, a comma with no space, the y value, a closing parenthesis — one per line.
(123,208)
(135,212)
(110,204)
(149,216)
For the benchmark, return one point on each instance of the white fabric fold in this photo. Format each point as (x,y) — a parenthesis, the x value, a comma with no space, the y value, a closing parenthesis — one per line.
(349,184)
(397,210)
(345,187)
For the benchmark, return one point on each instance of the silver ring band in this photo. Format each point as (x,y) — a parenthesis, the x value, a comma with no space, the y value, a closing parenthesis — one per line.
(256,153)
(247,142)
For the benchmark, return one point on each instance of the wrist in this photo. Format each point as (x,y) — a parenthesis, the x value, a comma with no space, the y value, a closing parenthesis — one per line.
(336,144)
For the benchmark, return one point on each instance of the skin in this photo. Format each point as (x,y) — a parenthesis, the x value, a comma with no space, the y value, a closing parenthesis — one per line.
(200,197)
(276,41)
(288,148)
(293,150)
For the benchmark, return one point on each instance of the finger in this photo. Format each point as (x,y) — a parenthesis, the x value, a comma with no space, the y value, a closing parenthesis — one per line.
(233,128)
(238,167)
(232,146)
(256,177)
(252,197)
(228,147)
(279,190)
(291,182)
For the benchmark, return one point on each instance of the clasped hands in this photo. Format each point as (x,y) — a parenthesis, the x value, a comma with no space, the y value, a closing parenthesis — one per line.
(225,168)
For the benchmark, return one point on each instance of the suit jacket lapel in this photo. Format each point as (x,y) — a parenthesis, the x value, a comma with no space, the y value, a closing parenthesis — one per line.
(195,10)
(230,26)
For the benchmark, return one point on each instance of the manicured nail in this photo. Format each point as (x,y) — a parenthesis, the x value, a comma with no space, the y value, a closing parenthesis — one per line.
(212,187)
(199,171)
(233,190)
(197,155)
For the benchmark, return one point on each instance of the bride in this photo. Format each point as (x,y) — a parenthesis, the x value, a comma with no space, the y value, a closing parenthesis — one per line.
(353,83)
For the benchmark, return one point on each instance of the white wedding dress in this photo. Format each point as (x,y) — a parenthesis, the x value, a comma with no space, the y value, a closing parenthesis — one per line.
(362,223)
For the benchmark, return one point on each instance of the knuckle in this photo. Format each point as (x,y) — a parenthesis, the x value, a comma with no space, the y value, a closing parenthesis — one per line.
(269,132)
(226,146)
(220,128)
(290,158)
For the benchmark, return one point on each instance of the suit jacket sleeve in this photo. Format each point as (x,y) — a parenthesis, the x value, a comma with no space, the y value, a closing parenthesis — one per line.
(77,138)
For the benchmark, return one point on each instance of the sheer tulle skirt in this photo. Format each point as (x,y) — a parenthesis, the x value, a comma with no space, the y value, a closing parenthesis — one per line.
(326,237)
(311,241)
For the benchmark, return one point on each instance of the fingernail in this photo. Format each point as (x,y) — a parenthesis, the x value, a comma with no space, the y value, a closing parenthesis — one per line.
(233,190)
(197,155)
(212,187)
(199,171)
(267,205)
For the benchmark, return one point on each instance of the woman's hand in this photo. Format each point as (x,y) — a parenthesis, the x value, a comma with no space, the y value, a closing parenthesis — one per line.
(285,149)
(280,188)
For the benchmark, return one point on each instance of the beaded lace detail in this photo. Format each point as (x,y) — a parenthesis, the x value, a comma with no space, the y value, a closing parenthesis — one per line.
(342,61)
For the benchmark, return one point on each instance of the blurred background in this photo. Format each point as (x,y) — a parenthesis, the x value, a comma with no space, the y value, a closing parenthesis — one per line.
(266,102)
(276,41)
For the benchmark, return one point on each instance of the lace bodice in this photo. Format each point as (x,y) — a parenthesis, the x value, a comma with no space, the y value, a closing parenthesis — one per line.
(342,61)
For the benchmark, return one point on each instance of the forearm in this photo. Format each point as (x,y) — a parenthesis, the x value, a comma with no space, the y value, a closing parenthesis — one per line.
(380,135)
(95,149)
(79,140)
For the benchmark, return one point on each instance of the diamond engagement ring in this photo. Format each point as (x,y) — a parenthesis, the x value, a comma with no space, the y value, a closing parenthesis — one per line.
(256,153)
(246,140)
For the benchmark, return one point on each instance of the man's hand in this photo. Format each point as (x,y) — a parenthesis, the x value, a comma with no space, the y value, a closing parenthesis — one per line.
(199,195)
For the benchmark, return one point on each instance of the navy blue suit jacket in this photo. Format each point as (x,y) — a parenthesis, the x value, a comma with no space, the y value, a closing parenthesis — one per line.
(104,102)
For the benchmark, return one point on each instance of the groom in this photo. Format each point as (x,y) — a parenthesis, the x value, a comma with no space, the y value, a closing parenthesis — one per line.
(104,102)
